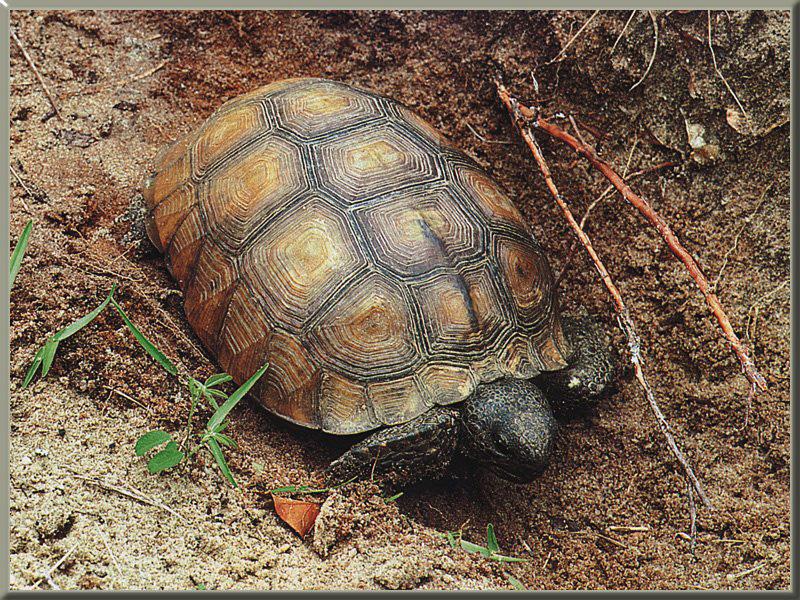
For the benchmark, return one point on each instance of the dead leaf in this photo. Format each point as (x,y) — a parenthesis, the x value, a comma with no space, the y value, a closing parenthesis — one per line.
(737,121)
(297,514)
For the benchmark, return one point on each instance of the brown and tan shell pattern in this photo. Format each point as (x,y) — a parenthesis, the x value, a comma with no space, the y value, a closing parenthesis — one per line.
(336,235)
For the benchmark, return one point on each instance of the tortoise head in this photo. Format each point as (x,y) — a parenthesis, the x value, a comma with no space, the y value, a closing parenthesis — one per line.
(509,428)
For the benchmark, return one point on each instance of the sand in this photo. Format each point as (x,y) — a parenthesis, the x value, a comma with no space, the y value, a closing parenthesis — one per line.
(128,83)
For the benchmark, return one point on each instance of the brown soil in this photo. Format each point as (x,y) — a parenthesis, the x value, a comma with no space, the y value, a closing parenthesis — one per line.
(129,82)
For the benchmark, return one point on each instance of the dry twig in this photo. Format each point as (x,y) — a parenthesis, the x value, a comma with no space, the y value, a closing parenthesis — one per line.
(574,37)
(621,33)
(32,65)
(623,316)
(652,56)
(48,575)
(130,492)
(25,188)
(733,247)
(721,76)
(757,381)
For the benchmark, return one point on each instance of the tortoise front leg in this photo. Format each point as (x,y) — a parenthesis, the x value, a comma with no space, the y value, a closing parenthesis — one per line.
(402,454)
(590,372)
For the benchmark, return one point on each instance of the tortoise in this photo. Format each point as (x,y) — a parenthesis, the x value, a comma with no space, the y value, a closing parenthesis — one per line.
(396,292)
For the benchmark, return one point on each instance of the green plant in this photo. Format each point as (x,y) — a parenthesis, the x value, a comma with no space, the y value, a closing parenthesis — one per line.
(212,437)
(145,343)
(171,454)
(490,550)
(44,357)
(19,253)
(516,583)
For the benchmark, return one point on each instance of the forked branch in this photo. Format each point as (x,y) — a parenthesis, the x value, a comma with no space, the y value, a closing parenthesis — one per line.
(623,315)
(528,115)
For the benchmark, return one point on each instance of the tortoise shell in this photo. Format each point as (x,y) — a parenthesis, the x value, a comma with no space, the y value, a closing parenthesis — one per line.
(338,236)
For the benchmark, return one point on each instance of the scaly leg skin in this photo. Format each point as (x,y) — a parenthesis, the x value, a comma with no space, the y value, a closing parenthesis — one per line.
(591,371)
(403,454)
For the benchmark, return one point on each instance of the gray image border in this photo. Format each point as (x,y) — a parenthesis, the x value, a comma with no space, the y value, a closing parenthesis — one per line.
(355,5)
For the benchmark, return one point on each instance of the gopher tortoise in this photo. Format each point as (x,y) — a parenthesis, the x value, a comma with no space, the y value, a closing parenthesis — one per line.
(390,284)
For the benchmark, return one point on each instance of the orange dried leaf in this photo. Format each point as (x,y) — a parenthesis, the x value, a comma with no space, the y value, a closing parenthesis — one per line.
(297,514)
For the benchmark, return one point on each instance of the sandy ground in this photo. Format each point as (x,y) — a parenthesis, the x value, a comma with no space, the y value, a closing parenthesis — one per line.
(127,83)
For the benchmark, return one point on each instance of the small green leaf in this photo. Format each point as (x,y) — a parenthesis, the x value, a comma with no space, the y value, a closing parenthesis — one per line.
(218,379)
(491,539)
(225,440)
(166,459)
(516,583)
(216,451)
(150,440)
(145,343)
(451,539)
(473,548)
(194,388)
(217,393)
(391,499)
(19,253)
(219,416)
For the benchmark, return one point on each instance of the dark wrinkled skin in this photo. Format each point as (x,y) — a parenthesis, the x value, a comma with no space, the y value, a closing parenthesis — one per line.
(507,426)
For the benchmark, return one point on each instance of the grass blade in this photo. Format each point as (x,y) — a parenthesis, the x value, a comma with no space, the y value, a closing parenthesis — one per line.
(219,416)
(44,357)
(217,379)
(220,458)
(48,354)
(516,583)
(491,539)
(150,440)
(76,326)
(166,459)
(145,343)
(472,548)
(508,559)
(37,361)
(19,253)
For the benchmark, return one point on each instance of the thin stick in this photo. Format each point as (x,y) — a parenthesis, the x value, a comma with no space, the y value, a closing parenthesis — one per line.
(721,76)
(652,56)
(483,139)
(48,575)
(628,528)
(32,65)
(693,518)
(623,316)
(24,187)
(574,37)
(107,544)
(130,493)
(127,397)
(757,381)
(621,33)
(606,192)
(141,76)
(732,249)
